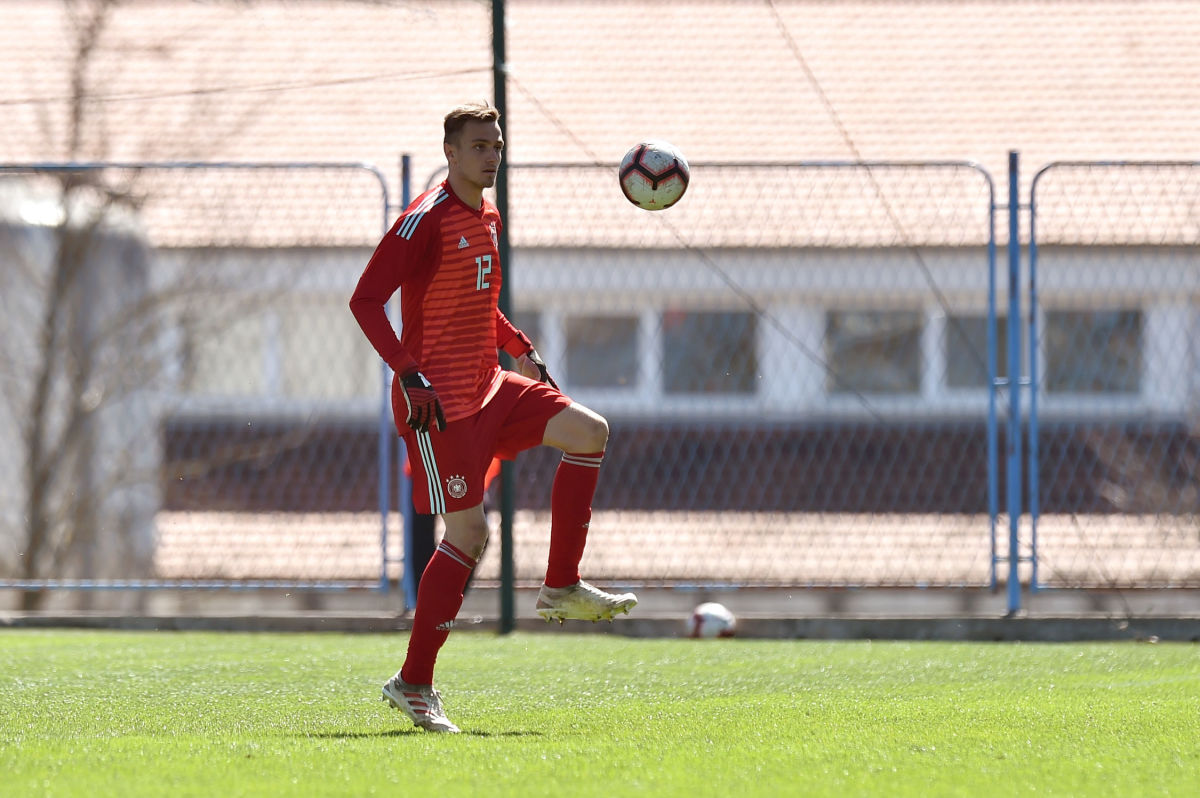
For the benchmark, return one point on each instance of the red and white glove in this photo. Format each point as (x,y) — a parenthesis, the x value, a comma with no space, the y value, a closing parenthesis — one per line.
(424,407)
(532,366)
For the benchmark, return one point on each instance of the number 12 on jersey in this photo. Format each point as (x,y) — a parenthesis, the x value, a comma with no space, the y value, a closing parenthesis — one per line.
(484,265)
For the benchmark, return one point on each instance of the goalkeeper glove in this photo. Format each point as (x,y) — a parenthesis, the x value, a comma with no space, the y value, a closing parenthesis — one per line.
(424,407)
(535,361)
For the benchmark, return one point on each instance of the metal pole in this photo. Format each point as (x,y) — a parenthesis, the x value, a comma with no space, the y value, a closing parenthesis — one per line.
(409,576)
(507,578)
(385,456)
(386,431)
(1032,464)
(994,383)
(1014,383)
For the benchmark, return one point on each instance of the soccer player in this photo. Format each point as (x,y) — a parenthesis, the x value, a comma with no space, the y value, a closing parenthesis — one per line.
(456,408)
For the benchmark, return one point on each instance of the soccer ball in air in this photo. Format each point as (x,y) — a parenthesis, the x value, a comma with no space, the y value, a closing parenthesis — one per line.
(711,620)
(654,175)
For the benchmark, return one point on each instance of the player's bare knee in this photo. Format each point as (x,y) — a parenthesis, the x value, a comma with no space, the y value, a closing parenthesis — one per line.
(591,432)
(577,429)
(597,433)
(467,531)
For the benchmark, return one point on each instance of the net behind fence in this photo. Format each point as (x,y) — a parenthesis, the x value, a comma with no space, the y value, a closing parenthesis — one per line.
(1118,275)
(179,358)
(793,361)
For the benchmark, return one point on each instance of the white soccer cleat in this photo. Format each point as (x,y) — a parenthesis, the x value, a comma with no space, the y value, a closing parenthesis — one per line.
(582,602)
(420,702)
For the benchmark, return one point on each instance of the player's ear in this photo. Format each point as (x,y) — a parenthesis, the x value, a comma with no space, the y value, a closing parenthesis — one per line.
(449,150)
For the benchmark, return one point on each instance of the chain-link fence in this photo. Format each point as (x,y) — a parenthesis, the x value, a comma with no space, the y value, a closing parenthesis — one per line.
(797,361)
(794,362)
(1115,266)
(182,380)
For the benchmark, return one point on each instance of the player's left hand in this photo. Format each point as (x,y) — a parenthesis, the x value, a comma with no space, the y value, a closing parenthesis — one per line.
(532,366)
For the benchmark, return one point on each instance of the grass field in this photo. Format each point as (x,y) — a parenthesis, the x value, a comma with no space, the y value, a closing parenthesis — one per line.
(154,714)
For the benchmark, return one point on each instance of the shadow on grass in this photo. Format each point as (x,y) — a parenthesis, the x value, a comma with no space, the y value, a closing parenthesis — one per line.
(518,733)
(350,735)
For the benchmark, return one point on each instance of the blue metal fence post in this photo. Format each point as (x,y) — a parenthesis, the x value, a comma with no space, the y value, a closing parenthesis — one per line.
(1014,383)
(994,383)
(389,443)
(409,575)
(385,457)
(1032,461)
(385,438)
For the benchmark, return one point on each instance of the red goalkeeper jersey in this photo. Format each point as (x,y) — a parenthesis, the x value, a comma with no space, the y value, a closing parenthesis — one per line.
(442,255)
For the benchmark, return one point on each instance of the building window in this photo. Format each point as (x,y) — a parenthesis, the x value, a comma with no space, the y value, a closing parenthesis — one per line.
(602,351)
(1093,351)
(873,351)
(324,353)
(306,348)
(227,359)
(967,351)
(709,352)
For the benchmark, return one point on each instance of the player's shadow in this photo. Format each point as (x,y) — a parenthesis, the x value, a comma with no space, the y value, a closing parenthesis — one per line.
(513,733)
(351,735)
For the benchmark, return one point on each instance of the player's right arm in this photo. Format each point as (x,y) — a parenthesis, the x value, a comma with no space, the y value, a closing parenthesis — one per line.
(399,260)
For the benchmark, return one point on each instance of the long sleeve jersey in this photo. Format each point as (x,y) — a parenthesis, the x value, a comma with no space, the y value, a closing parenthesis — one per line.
(442,255)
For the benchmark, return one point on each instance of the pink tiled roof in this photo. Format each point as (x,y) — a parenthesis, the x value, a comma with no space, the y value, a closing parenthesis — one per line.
(588,78)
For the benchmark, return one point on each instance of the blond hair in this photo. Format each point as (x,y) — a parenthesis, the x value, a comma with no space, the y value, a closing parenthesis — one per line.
(457,119)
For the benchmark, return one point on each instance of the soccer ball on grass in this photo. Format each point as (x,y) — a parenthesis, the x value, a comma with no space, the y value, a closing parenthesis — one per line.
(654,175)
(711,619)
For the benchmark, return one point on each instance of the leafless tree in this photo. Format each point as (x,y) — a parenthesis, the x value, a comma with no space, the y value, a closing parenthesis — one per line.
(85,337)
(101,312)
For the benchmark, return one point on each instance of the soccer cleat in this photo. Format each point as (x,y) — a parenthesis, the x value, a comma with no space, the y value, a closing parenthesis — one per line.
(582,602)
(420,702)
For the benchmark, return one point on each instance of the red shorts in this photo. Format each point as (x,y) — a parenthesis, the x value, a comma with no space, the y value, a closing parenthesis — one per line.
(449,467)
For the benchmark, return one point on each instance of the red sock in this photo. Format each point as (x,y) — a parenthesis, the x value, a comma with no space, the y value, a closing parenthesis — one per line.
(438,600)
(570,514)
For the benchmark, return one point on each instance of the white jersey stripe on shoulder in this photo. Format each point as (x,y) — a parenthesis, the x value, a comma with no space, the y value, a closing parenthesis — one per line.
(437,499)
(414,216)
(409,225)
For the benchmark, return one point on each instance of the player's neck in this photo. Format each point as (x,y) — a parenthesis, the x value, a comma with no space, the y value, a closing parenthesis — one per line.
(470,193)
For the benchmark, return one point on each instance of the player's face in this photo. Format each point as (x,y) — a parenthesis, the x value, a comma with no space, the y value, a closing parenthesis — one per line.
(476,155)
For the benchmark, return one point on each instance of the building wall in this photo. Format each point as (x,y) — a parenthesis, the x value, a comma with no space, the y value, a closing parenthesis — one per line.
(838,383)
(807,335)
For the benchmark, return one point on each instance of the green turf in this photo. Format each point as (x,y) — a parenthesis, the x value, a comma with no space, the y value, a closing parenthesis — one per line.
(153,714)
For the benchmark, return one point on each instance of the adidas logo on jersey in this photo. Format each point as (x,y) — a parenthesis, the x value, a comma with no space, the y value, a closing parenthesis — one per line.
(462,243)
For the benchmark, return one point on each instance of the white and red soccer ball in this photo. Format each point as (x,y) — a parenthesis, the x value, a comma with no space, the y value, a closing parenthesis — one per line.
(654,175)
(711,619)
